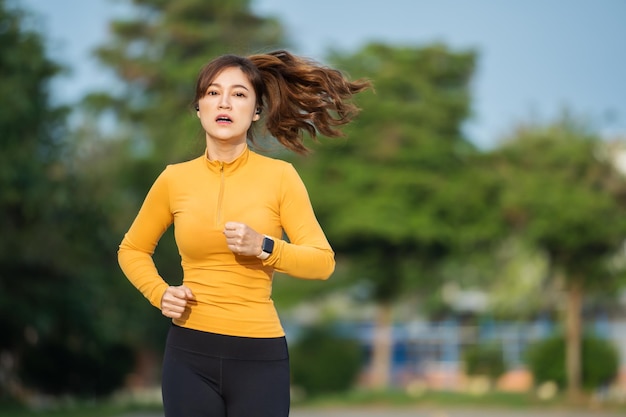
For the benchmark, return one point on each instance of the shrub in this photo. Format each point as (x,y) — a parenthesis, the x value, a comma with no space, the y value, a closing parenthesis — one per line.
(600,361)
(58,369)
(484,359)
(324,362)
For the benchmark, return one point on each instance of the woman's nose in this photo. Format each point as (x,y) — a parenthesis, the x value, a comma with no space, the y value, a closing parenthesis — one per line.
(224,102)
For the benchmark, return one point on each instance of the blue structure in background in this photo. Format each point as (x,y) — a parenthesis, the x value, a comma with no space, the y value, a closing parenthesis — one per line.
(420,346)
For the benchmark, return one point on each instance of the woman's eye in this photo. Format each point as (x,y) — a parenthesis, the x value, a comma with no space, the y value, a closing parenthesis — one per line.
(211,93)
(240,94)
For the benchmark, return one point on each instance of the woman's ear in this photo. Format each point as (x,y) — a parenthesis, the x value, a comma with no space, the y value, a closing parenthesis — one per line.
(257,115)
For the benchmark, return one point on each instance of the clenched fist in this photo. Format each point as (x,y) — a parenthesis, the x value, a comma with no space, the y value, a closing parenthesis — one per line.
(242,239)
(175,300)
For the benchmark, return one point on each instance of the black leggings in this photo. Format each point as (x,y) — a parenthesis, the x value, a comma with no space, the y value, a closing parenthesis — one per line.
(212,375)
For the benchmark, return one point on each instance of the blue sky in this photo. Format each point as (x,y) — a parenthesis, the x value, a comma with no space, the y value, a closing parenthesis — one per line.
(536,57)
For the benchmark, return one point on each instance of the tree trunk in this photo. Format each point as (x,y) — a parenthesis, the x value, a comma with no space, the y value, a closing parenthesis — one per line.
(380,373)
(573,341)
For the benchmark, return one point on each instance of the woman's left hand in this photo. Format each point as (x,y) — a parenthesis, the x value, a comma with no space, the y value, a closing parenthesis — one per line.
(242,239)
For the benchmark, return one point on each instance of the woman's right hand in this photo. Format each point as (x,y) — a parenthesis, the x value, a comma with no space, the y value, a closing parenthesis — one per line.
(175,301)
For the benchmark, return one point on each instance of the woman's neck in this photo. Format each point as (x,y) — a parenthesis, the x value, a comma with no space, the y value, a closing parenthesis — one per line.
(226,152)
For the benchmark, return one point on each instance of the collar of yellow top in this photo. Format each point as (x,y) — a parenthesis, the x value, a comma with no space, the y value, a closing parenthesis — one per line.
(226,167)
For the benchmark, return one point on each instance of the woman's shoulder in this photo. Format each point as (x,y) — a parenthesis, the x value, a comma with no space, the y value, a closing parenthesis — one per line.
(269,162)
(191,164)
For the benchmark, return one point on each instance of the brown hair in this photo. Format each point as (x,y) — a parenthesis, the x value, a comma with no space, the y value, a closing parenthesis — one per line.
(298,94)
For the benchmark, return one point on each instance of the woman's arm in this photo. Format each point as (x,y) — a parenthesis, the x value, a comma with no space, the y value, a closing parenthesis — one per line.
(307,254)
(136,250)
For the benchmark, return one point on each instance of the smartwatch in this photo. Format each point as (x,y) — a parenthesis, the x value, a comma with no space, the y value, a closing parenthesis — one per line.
(266,248)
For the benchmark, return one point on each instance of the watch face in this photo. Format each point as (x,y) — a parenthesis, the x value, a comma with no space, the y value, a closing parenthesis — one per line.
(268,245)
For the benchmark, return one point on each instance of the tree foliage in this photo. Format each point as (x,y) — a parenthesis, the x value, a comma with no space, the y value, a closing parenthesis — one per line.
(389,195)
(52,289)
(401,195)
(600,361)
(31,198)
(323,361)
(563,192)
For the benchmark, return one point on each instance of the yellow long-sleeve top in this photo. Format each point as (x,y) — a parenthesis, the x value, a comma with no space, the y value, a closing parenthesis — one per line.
(233,293)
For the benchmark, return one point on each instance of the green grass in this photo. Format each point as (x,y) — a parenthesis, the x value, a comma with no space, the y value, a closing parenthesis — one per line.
(492,400)
(401,398)
(353,399)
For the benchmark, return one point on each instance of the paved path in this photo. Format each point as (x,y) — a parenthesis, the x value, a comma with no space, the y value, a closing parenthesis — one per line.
(434,412)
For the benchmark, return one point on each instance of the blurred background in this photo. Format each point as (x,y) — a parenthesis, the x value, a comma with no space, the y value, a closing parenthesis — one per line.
(477,206)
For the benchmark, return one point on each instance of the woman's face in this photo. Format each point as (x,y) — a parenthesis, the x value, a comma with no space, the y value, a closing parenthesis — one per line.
(228,107)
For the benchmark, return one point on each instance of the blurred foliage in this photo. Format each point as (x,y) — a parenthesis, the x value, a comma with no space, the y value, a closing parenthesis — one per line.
(54,238)
(323,361)
(486,359)
(521,290)
(562,190)
(87,371)
(389,195)
(600,361)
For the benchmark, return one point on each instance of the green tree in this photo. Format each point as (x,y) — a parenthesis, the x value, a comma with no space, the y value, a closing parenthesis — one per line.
(30,172)
(323,362)
(599,361)
(51,244)
(563,193)
(400,195)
